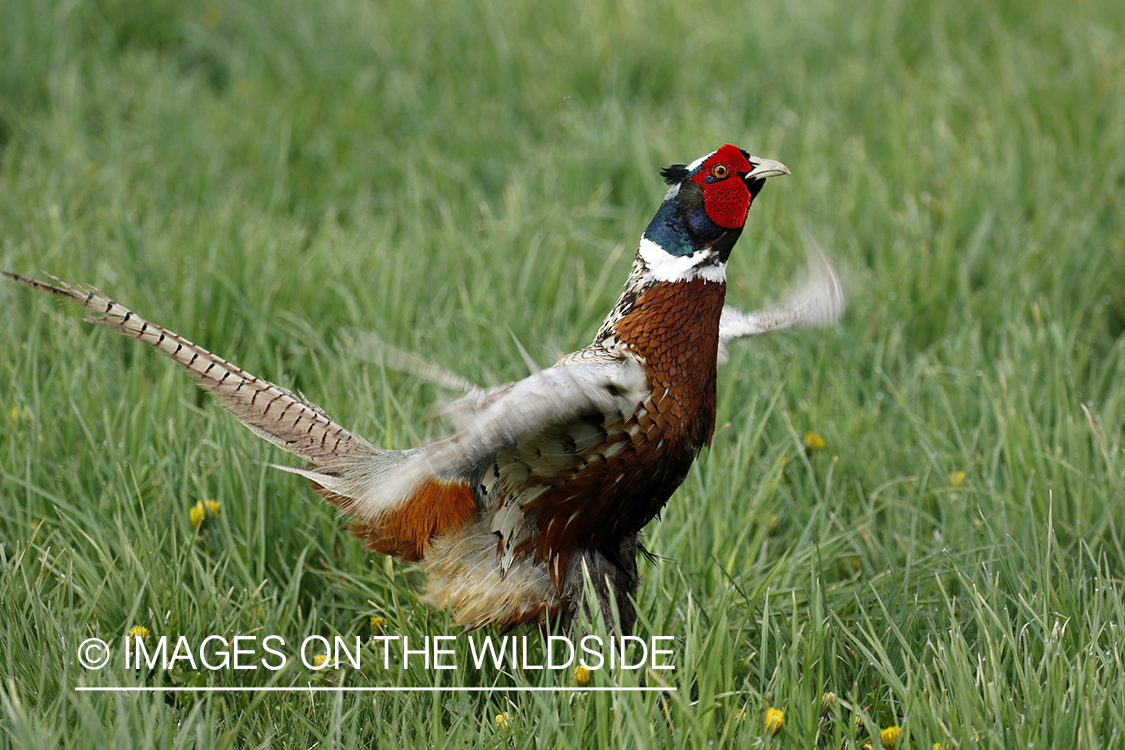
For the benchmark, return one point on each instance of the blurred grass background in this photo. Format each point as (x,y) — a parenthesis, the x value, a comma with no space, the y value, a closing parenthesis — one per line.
(262,177)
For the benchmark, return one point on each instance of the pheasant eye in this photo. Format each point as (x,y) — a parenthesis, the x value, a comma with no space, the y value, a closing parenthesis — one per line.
(720,171)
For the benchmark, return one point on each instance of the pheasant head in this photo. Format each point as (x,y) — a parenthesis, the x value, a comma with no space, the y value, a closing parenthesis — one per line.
(702,215)
(696,226)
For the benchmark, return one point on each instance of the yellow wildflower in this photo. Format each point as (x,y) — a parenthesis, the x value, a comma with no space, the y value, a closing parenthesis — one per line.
(202,509)
(504,721)
(212,17)
(320,660)
(581,676)
(377,624)
(813,442)
(889,736)
(138,631)
(773,719)
(828,700)
(740,715)
(956,478)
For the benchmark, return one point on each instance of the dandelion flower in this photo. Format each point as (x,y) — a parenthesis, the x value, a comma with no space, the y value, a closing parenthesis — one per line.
(320,660)
(504,721)
(813,442)
(774,526)
(212,17)
(581,676)
(828,700)
(202,509)
(138,631)
(377,624)
(773,719)
(889,736)
(740,715)
(956,478)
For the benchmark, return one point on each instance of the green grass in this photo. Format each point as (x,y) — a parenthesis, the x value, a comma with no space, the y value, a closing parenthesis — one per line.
(262,177)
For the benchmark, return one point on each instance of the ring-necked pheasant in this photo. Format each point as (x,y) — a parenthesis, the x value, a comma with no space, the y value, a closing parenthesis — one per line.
(552,478)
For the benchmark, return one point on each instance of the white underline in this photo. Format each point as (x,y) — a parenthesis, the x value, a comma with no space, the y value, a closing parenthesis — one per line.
(328,689)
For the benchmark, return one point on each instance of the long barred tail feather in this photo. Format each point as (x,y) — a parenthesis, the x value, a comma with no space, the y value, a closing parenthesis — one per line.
(283,418)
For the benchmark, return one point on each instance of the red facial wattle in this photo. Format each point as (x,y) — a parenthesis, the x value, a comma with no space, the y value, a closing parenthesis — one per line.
(726,199)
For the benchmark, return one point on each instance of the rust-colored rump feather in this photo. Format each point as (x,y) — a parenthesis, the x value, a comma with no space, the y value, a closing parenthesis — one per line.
(437,507)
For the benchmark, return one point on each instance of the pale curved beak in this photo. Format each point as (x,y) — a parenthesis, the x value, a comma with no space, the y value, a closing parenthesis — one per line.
(765,168)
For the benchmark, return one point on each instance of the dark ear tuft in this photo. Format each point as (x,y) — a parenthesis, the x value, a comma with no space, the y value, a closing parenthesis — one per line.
(674,174)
